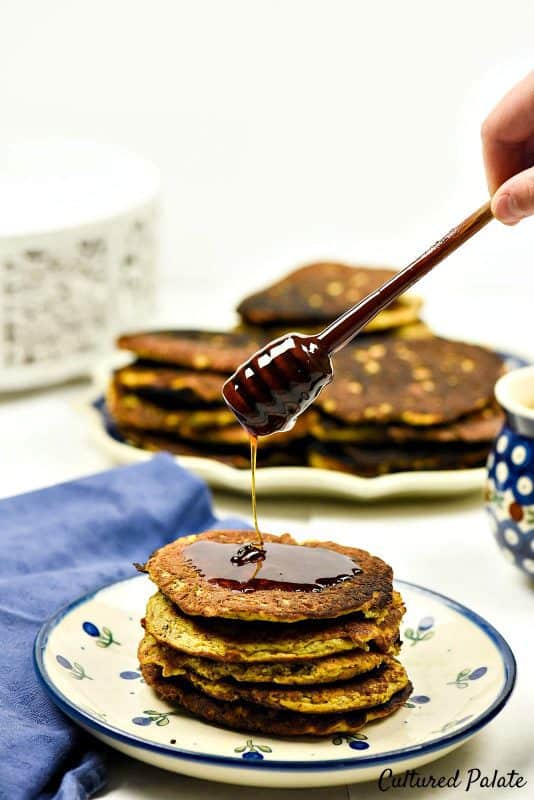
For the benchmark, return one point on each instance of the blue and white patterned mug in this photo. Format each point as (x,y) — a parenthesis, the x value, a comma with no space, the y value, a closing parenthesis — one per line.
(510,482)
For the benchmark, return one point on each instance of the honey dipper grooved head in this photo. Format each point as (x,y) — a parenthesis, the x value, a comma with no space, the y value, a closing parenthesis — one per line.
(270,390)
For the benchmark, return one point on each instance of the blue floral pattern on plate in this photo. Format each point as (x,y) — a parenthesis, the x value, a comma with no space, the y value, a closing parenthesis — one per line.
(76,670)
(422,633)
(103,638)
(251,751)
(159,718)
(417,700)
(466,675)
(453,724)
(356,741)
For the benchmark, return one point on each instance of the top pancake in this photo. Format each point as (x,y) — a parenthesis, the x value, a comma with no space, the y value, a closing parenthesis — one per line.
(416,382)
(216,351)
(319,293)
(180,581)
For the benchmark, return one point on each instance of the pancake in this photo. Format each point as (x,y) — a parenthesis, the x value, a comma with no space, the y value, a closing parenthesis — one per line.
(365,691)
(232,435)
(172,571)
(231,641)
(416,382)
(320,292)
(250,717)
(384,459)
(207,426)
(171,387)
(480,426)
(411,330)
(215,351)
(237,457)
(131,411)
(295,673)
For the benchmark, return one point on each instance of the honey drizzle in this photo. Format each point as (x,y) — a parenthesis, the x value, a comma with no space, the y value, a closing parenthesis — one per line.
(276,566)
(253,455)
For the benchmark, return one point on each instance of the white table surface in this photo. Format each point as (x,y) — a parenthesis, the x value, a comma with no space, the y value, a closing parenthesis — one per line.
(445,545)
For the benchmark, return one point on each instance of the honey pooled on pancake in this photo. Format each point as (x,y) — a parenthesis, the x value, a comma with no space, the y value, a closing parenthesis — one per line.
(180,580)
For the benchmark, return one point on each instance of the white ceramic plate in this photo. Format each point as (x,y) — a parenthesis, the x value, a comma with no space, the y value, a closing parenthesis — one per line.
(282,480)
(462,670)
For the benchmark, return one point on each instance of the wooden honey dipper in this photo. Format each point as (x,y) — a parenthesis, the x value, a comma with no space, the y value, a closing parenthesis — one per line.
(270,390)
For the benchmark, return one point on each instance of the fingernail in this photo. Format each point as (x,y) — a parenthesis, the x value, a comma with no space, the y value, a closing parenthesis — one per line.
(505,208)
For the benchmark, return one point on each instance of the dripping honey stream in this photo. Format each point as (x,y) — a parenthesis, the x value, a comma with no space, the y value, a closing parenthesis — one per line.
(253,458)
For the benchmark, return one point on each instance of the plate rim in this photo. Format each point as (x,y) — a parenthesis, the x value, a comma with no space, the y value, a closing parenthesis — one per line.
(355,487)
(356,763)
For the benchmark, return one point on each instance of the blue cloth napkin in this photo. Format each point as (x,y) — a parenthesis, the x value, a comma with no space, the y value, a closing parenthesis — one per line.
(57,544)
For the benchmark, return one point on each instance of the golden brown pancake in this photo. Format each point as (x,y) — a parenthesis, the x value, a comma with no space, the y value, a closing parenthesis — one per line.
(176,576)
(212,427)
(377,460)
(415,382)
(480,426)
(320,292)
(250,717)
(171,387)
(235,435)
(232,641)
(411,330)
(131,411)
(237,457)
(215,351)
(330,669)
(365,691)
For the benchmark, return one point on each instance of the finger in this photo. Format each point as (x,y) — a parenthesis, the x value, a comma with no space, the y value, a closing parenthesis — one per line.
(515,199)
(501,161)
(505,132)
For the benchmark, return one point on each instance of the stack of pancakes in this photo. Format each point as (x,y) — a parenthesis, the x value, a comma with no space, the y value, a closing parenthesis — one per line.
(396,405)
(273,660)
(402,399)
(170,398)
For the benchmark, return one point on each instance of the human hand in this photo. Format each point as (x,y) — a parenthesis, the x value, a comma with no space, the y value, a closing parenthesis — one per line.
(508,147)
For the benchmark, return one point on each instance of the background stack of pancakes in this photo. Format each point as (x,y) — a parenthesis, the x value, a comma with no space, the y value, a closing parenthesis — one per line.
(275,661)
(402,398)
(170,398)
(399,405)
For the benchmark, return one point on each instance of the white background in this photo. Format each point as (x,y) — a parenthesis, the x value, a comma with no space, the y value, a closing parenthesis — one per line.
(287,130)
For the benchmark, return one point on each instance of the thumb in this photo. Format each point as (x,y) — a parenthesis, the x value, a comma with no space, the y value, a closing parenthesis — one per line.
(514,200)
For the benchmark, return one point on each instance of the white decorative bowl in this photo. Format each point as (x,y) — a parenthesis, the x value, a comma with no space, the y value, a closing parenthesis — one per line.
(78,251)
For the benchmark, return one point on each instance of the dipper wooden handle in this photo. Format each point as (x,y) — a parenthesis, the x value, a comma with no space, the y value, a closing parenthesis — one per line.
(345,327)
(279,382)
